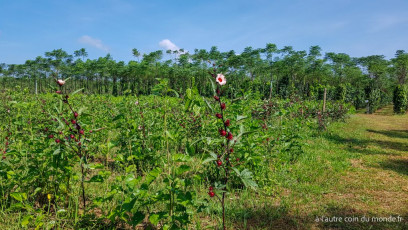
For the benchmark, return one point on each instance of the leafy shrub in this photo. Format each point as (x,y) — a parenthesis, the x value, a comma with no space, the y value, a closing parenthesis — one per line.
(374,100)
(400,99)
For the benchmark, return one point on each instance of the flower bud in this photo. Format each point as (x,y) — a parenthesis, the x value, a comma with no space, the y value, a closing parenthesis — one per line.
(211,194)
(229,137)
(222,132)
(227,123)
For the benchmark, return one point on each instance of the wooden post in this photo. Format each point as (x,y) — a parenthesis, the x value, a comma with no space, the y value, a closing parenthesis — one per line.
(324,100)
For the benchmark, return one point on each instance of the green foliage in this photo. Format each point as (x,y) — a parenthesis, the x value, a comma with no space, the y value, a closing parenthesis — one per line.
(144,155)
(400,99)
(374,100)
(341,91)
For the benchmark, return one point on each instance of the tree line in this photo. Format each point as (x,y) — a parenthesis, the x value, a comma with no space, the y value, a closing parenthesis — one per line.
(268,72)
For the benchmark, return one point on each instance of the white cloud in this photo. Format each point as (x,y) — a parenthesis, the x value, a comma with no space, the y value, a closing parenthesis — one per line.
(168,45)
(88,40)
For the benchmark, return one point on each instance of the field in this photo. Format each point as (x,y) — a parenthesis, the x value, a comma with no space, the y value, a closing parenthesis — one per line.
(104,162)
(224,115)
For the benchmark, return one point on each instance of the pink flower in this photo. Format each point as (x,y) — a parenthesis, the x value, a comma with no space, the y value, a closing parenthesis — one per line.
(221,79)
(60,82)
(137,103)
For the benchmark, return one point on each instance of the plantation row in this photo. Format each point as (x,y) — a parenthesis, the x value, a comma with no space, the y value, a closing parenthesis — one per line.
(98,161)
(271,72)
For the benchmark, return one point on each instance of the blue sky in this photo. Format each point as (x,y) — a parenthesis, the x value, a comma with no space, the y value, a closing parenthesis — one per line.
(29,28)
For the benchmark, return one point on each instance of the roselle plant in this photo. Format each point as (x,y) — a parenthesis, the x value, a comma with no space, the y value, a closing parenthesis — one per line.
(70,138)
(224,157)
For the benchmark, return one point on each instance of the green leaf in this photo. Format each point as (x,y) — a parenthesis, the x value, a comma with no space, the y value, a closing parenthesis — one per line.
(105,173)
(152,175)
(239,117)
(196,141)
(111,145)
(131,168)
(212,158)
(26,220)
(246,177)
(180,157)
(173,91)
(169,135)
(20,196)
(187,105)
(188,93)
(96,166)
(36,190)
(182,169)
(76,91)
(213,155)
(212,84)
(96,178)
(81,110)
(236,171)
(196,110)
(110,195)
(56,152)
(128,206)
(131,181)
(137,218)
(156,217)
(62,125)
(208,105)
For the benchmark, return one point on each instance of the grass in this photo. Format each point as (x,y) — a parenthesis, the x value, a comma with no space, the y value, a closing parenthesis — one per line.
(355,170)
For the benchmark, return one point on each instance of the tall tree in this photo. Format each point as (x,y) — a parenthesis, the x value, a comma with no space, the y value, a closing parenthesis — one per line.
(400,66)
(136,53)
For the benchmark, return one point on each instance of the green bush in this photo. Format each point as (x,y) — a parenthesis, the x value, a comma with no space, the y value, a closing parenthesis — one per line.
(400,99)
(374,100)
